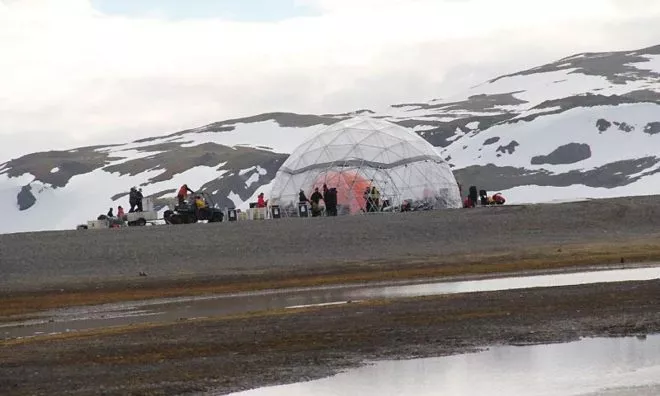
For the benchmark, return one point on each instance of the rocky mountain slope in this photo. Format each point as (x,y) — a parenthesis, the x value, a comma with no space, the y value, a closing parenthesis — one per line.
(583,126)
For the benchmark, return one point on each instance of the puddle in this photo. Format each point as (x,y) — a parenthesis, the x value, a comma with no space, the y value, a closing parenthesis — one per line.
(175,309)
(590,367)
(485,285)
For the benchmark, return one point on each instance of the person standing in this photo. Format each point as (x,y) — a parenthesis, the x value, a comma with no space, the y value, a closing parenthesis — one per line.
(133,199)
(302,198)
(375,199)
(261,201)
(315,200)
(139,197)
(330,200)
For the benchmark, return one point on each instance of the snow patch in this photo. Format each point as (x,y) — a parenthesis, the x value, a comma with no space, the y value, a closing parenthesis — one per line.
(549,132)
(253,179)
(472,125)
(244,172)
(55,170)
(235,198)
(547,194)
(653,64)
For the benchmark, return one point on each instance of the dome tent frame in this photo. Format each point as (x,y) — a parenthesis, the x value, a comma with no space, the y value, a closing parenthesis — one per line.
(364,152)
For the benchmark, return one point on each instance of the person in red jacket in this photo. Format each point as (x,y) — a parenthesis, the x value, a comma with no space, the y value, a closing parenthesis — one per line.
(183,194)
(261,201)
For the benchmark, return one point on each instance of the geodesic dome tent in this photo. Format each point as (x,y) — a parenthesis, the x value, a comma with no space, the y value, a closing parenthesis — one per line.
(361,153)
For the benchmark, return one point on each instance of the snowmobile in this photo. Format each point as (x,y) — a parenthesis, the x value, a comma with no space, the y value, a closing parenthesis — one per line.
(188,213)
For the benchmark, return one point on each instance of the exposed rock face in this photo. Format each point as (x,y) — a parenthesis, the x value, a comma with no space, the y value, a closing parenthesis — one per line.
(291,120)
(481,102)
(603,125)
(69,164)
(567,154)
(652,128)
(509,148)
(616,174)
(624,127)
(492,140)
(25,200)
(615,66)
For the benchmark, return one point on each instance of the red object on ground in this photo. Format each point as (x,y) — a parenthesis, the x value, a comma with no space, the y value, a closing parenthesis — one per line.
(499,199)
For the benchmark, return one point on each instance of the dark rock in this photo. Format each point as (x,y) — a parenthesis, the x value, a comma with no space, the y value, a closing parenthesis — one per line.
(603,125)
(70,163)
(509,148)
(567,154)
(480,103)
(442,132)
(558,106)
(616,174)
(176,159)
(25,199)
(652,128)
(624,126)
(492,140)
(617,67)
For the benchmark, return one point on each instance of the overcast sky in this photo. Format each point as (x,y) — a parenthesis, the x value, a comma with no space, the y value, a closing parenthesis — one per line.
(80,72)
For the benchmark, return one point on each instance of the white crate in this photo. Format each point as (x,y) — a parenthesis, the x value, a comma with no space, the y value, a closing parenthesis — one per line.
(147,204)
(257,213)
(148,216)
(98,224)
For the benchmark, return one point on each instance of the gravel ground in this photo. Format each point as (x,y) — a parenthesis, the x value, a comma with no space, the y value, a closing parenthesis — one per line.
(258,349)
(45,259)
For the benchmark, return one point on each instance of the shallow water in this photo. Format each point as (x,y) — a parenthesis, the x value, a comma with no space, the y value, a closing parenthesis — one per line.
(173,309)
(590,367)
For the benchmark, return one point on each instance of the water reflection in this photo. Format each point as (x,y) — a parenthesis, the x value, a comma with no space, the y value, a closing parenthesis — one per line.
(173,309)
(590,367)
(485,285)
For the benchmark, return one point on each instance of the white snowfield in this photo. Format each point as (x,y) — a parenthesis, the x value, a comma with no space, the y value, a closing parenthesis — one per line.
(547,133)
(86,196)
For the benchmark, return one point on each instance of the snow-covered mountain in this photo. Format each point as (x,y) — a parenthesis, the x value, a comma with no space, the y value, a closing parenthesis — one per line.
(584,126)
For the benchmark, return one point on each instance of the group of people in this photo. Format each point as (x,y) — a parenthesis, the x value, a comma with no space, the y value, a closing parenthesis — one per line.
(482,198)
(120,212)
(329,197)
(134,199)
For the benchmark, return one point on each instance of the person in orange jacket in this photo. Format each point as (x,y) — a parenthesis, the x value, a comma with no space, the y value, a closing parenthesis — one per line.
(183,194)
